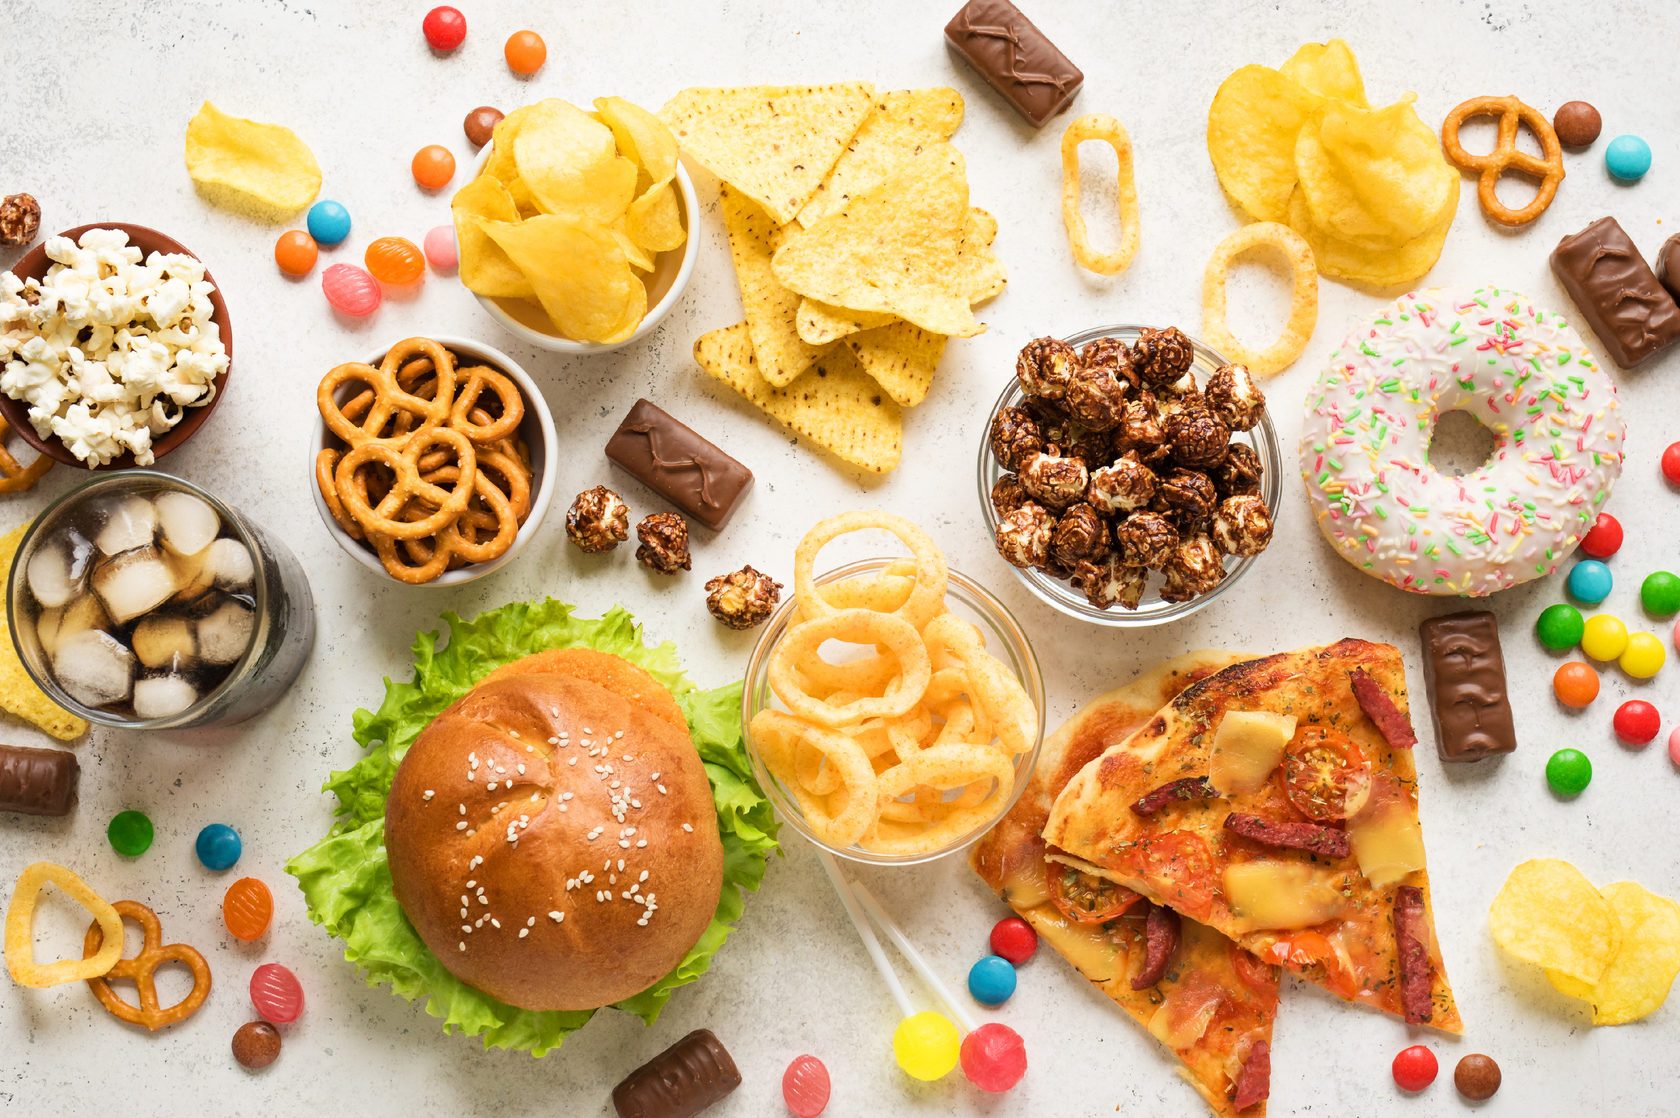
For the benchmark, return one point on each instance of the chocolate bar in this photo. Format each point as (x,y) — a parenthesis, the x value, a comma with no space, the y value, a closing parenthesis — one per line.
(37,781)
(1464,670)
(1015,58)
(1668,266)
(680,1082)
(1632,314)
(669,458)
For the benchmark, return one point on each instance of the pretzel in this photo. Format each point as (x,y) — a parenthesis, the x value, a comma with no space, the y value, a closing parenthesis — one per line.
(464,413)
(407,484)
(363,418)
(142,971)
(14,476)
(1548,171)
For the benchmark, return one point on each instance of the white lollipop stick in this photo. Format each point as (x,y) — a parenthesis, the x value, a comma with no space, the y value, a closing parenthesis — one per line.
(849,900)
(901,941)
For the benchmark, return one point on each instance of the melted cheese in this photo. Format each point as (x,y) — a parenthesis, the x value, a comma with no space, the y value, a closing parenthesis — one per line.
(1246,749)
(1281,895)
(1388,843)
(1185,1015)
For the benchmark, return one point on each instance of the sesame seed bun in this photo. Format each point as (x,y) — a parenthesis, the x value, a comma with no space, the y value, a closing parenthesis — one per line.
(533,942)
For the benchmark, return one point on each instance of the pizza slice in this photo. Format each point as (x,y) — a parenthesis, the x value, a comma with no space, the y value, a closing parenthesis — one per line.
(1206,1000)
(1276,802)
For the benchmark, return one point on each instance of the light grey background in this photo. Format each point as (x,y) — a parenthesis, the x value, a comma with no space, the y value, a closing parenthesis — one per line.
(91,121)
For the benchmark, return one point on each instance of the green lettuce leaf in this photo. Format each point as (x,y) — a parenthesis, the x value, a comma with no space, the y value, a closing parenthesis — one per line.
(347,883)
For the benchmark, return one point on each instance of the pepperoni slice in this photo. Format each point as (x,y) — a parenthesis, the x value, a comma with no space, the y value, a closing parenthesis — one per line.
(1410,937)
(1314,838)
(1395,727)
(1174,792)
(1254,1082)
(1160,940)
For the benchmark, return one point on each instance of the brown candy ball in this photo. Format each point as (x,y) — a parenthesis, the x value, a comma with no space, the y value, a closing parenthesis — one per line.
(1477,1076)
(257,1044)
(480,125)
(1577,123)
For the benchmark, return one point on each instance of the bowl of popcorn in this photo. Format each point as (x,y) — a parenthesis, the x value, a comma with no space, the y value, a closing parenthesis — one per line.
(1130,474)
(114,346)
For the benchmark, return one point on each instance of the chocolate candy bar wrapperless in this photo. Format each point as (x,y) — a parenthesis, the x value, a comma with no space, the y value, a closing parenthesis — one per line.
(1616,292)
(680,1082)
(37,781)
(1464,671)
(674,461)
(1015,58)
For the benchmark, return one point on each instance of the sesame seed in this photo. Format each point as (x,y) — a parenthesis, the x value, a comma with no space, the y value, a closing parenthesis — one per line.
(655,776)
(523,932)
(587,730)
(553,741)
(622,842)
(522,768)
(640,843)
(644,876)
(464,899)
(571,760)
(466,928)
(461,826)
(472,884)
(462,945)
(495,923)
(513,733)
(462,808)
(428,794)
(687,828)
(491,787)
(662,791)
(621,863)
(470,778)
(557,916)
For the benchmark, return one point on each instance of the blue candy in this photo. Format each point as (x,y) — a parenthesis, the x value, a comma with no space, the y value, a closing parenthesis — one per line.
(1627,158)
(1589,581)
(991,980)
(329,222)
(219,847)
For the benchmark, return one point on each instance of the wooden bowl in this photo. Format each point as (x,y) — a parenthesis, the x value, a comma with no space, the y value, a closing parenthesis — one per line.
(34,264)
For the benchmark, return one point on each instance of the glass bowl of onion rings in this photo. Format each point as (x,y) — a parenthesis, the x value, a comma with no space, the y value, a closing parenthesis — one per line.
(893,708)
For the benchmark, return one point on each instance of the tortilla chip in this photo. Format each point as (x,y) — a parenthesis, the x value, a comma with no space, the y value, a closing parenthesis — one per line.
(901,357)
(901,125)
(820,323)
(775,144)
(834,404)
(245,165)
(770,307)
(18,693)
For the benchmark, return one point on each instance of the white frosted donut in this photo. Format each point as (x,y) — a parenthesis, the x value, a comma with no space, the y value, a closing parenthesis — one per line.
(1527,376)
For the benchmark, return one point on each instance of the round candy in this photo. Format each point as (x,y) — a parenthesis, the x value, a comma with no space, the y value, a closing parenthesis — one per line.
(441,250)
(351,291)
(1014,939)
(218,847)
(1559,627)
(1568,772)
(433,166)
(1604,538)
(256,1045)
(1627,158)
(395,260)
(926,1045)
(1589,581)
(1643,657)
(276,994)
(1415,1068)
(1577,124)
(1603,637)
(1575,684)
(130,833)
(444,27)
(525,53)
(295,252)
(247,908)
(1671,463)
(329,222)
(1476,1077)
(480,125)
(994,1057)
(1636,722)
(805,1087)
(1674,746)
(991,980)
(1660,593)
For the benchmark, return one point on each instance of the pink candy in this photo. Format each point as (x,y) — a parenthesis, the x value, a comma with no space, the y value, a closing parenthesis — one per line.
(350,290)
(441,250)
(805,1087)
(1674,746)
(994,1057)
(275,991)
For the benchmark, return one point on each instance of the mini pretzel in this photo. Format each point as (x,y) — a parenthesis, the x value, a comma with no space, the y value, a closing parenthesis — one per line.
(1505,156)
(14,476)
(464,413)
(356,426)
(142,971)
(408,484)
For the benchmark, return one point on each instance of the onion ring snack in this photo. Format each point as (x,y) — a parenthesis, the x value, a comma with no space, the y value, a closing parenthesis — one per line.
(20,929)
(1113,133)
(1297,254)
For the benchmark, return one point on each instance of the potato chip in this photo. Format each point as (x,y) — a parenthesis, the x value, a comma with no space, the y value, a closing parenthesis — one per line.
(1303,297)
(1378,267)
(484,267)
(638,256)
(1111,132)
(642,138)
(835,404)
(261,169)
(1637,981)
(580,275)
(899,126)
(902,357)
(775,144)
(1547,913)
(1253,123)
(1374,176)
(655,220)
(770,308)
(897,248)
(571,163)
(18,694)
(1329,70)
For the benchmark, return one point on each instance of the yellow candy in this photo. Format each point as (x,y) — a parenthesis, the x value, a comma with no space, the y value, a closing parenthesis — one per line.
(1644,656)
(927,1046)
(1605,637)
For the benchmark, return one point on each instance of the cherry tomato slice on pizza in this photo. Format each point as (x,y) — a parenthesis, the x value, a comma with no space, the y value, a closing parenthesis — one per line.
(1325,774)
(1179,867)
(1085,898)
(1254,973)
(1303,948)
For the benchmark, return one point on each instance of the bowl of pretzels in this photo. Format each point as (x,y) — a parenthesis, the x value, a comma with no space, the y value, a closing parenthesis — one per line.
(430,461)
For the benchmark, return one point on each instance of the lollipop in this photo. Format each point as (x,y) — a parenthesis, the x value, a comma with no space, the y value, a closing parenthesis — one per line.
(994,1057)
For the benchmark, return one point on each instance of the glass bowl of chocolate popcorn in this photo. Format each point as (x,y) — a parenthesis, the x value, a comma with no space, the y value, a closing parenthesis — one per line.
(1129,474)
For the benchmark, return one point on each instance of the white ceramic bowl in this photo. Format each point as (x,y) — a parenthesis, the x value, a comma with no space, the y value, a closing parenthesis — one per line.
(538,431)
(666,283)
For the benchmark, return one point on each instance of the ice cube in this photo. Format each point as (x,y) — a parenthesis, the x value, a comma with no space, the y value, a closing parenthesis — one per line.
(225,633)
(133,583)
(58,569)
(161,641)
(228,563)
(188,523)
(159,696)
(192,574)
(130,522)
(48,627)
(94,668)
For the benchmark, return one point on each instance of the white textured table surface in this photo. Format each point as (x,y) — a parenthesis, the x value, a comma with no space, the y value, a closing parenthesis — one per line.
(97,97)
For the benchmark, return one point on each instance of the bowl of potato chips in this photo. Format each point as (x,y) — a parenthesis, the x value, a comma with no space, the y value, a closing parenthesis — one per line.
(893,707)
(575,232)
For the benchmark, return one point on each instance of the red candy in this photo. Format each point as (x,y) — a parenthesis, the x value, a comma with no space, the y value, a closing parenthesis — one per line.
(1014,939)
(1604,538)
(276,993)
(1671,463)
(444,28)
(805,1087)
(1415,1068)
(993,1057)
(1637,722)
(351,291)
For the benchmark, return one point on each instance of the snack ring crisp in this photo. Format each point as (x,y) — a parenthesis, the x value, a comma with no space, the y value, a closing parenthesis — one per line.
(1297,254)
(1111,132)
(922,604)
(20,929)
(801,643)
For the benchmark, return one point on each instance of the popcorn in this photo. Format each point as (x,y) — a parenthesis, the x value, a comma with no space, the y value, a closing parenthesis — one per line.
(109,349)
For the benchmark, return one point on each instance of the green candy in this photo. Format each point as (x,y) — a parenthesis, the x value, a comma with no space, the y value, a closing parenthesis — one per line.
(130,833)
(1568,772)
(1560,626)
(1660,593)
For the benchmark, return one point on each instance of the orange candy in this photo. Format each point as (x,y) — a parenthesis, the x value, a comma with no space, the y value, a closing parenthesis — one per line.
(1576,684)
(247,908)
(525,52)
(295,252)
(433,166)
(395,260)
